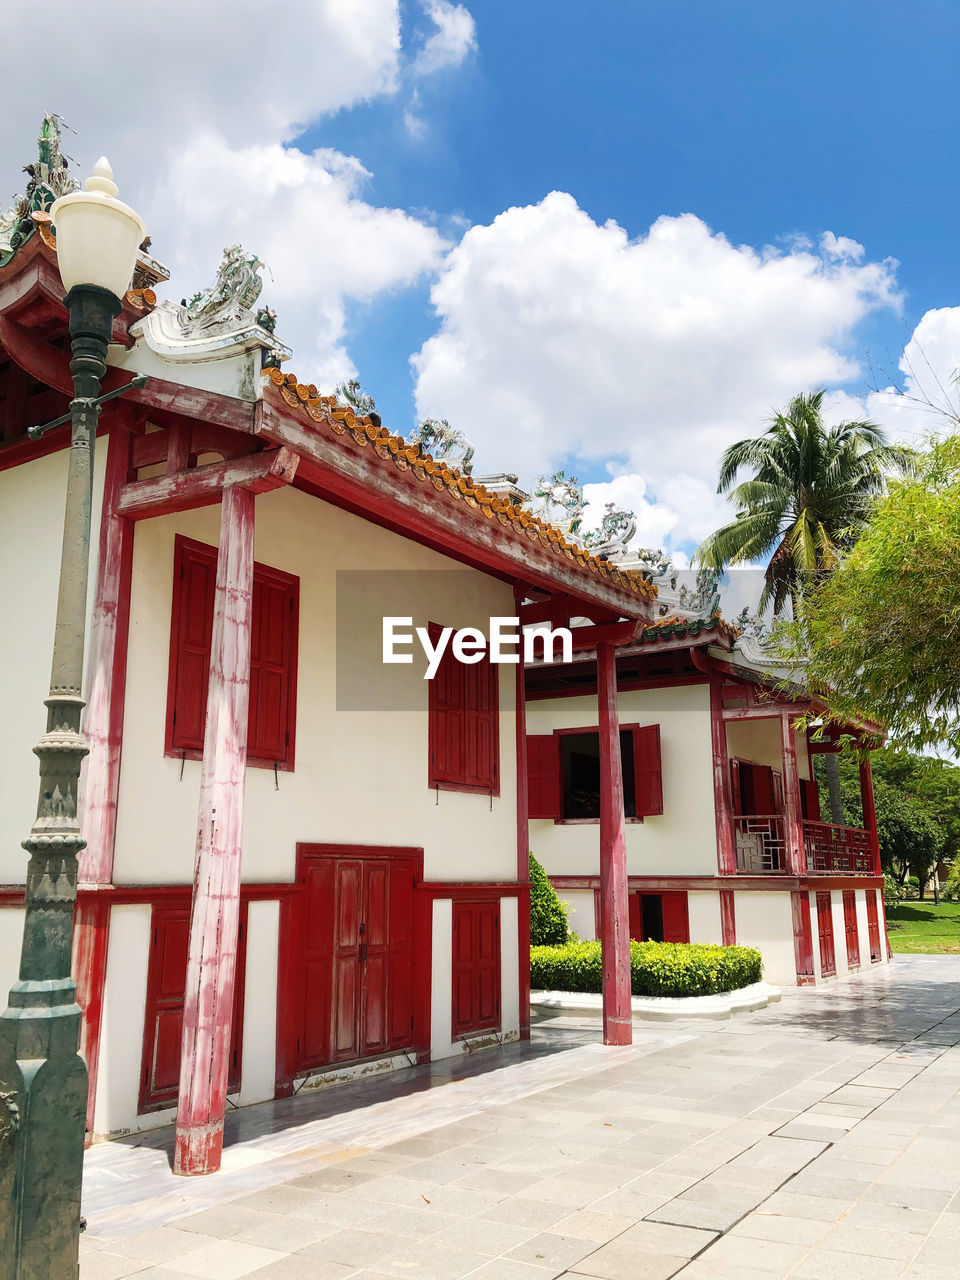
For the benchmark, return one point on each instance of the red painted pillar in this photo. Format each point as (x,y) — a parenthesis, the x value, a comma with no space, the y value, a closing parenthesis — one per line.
(215,914)
(870,812)
(796,853)
(614,910)
(103,729)
(523,841)
(726,848)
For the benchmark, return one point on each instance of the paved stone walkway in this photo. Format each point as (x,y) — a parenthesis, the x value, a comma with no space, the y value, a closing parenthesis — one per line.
(817,1138)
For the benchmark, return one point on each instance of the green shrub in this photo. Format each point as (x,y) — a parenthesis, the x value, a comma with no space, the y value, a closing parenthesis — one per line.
(891,891)
(656,968)
(548,915)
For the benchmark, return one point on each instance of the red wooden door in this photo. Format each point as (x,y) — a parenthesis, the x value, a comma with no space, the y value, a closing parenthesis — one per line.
(763,801)
(635,906)
(873,926)
(676,923)
(163,1015)
(802,936)
(828,959)
(850,928)
(357,959)
(476,966)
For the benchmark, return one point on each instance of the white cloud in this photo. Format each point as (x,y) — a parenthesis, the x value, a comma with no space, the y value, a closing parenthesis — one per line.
(559,338)
(197,106)
(455,36)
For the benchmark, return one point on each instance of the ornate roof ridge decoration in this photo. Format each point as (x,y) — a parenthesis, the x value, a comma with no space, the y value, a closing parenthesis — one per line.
(560,502)
(219,321)
(358,398)
(678,628)
(617,527)
(326,411)
(444,443)
(47,180)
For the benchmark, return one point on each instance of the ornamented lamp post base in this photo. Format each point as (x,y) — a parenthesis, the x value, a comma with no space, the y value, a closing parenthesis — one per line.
(43,1080)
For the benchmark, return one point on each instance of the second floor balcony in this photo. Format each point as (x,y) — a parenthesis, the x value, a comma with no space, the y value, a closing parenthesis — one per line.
(761,847)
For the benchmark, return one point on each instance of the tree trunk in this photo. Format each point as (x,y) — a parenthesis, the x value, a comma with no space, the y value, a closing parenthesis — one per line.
(831,767)
(936,885)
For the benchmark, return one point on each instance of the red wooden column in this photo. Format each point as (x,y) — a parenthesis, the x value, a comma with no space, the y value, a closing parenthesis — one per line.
(523,838)
(103,730)
(614,908)
(796,855)
(870,812)
(215,914)
(726,848)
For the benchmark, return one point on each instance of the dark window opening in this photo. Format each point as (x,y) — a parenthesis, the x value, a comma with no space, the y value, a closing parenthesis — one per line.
(580,773)
(652,908)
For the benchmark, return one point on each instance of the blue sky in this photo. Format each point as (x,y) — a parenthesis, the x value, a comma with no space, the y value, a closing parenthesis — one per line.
(611,236)
(765,120)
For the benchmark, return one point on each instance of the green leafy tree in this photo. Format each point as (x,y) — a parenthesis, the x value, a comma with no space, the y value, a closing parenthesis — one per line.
(808,491)
(548,915)
(881,633)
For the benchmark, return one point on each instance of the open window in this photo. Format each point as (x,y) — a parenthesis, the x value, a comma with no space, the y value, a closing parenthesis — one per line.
(659,917)
(563,773)
(273,657)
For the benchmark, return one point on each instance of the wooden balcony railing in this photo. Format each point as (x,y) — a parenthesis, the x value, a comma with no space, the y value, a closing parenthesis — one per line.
(834,850)
(761,843)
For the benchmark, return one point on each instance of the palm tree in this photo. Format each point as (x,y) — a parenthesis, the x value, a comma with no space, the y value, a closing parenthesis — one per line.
(806,498)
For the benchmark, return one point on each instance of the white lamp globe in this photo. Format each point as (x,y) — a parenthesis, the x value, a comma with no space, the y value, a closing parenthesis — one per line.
(97,235)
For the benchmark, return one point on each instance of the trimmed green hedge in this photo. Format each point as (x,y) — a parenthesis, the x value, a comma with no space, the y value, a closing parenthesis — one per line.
(548,915)
(657,968)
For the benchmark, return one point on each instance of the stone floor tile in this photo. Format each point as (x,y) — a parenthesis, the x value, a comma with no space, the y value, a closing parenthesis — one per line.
(829,1264)
(499,1181)
(589,1224)
(938,1252)
(453,1198)
(508,1269)
(224,1221)
(225,1260)
(332,1179)
(759,1255)
(657,1237)
(163,1244)
(892,1218)
(874,1242)
(533,1213)
(550,1249)
(413,1223)
(285,1234)
(615,1261)
(927,1271)
(480,1235)
(357,1247)
(433,1260)
(688,1213)
(297,1266)
(103,1265)
(820,1208)
(768,1226)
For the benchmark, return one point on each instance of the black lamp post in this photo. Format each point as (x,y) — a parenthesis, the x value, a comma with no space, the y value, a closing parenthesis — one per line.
(43,1079)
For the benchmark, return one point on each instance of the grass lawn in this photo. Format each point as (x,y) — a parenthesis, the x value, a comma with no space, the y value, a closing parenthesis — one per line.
(920,927)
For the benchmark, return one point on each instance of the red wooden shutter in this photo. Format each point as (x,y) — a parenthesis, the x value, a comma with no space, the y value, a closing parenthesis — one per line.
(163,1014)
(464,723)
(810,797)
(676,923)
(850,928)
(763,789)
(543,775)
(646,768)
(195,576)
(400,971)
(476,966)
(802,935)
(828,959)
(273,664)
(273,656)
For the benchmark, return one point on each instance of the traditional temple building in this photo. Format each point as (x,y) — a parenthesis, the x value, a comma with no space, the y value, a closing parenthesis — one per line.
(356,874)
(301,863)
(724,834)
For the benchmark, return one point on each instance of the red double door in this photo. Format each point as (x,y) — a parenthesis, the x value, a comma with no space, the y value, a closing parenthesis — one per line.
(350,957)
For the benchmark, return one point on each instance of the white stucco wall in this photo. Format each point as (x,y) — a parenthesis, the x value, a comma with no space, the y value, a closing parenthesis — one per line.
(360,776)
(765,921)
(704,914)
(839,932)
(441,990)
(32,499)
(581,913)
(680,841)
(121,1043)
(259,1056)
(759,742)
(509,966)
